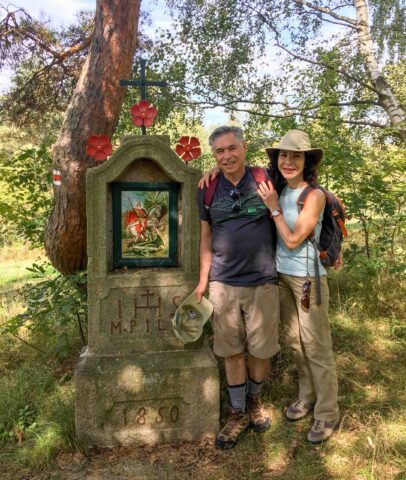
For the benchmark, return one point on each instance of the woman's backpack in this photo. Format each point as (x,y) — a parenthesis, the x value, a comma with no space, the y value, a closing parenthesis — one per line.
(332,232)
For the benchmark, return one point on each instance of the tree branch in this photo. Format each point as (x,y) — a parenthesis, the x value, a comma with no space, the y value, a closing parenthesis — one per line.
(326,65)
(11,28)
(76,48)
(229,105)
(234,100)
(307,60)
(350,22)
(324,19)
(27,343)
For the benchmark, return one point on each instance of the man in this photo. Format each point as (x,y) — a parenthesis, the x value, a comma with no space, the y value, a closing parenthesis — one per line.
(237,248)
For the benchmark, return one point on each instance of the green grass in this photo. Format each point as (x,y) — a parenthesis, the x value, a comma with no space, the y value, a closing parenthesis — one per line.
(37,407)
(14,274)
(14,261)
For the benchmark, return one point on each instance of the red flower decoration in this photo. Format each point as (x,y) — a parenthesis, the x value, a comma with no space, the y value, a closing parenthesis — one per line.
(99,147)
(143,114)
(188,148)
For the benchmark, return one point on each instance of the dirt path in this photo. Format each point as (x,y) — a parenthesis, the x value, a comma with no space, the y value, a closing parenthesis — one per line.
(192,460)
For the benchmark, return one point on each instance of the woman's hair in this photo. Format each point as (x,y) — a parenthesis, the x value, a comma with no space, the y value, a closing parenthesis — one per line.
(310,172)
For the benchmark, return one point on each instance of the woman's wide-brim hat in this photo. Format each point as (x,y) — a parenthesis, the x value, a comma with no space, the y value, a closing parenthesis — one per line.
(296,141)
(190,318)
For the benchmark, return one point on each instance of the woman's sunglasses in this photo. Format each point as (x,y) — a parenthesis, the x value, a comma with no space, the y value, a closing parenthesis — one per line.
(305,300)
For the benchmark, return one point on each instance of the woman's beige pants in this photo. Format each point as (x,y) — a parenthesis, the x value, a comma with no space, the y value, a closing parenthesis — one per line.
(308,335)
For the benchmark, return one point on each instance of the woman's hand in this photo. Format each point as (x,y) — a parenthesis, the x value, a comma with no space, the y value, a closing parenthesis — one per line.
(208,177)
(339,262)
(268,195)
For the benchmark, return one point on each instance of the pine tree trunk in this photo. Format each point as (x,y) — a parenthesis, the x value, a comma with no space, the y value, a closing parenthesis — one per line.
(94,109)
(386,98)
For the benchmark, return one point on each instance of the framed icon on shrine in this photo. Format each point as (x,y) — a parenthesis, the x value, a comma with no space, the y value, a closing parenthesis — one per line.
(145,224)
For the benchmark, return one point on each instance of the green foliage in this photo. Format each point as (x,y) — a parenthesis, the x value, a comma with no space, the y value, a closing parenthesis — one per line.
(54,305)
(388,26)
(45,63)
(36,413)
(24,422)
(369,179)
(18,412)
(262,57)
(25,201)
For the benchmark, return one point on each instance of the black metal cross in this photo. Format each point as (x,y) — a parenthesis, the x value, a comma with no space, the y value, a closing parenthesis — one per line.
(143,83)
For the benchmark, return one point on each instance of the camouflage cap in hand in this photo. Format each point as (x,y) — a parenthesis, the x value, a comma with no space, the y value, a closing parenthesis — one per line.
(190,318)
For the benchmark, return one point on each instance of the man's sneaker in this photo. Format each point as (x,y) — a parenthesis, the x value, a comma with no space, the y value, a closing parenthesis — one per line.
(298,410)
(237,423)
(322,431)
(260,421)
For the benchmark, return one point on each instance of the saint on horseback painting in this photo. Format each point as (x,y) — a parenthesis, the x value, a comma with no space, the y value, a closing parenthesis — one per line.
(145,223)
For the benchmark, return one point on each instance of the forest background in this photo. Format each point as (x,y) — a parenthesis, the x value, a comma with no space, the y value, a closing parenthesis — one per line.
(335,69)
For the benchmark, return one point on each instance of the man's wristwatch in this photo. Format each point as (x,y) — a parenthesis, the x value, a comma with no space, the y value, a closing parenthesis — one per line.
(275,213)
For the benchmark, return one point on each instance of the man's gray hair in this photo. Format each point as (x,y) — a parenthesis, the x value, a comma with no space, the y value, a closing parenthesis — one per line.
(239,134)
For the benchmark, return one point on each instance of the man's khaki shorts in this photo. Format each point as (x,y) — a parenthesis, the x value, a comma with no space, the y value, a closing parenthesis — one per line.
(245,317)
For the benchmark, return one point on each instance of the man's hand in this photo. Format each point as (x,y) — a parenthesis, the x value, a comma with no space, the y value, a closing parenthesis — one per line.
(201,290)
(208,177)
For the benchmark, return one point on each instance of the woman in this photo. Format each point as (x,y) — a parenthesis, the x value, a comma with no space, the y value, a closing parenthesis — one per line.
(293,167)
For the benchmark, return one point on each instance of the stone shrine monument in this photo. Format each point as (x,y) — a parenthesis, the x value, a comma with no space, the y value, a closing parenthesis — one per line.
(137,383)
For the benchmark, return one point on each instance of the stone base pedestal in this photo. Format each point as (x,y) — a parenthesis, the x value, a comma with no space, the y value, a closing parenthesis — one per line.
(148,398)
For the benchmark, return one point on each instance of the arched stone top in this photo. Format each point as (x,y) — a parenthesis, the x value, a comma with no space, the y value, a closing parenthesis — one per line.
(154,148)
(132,162)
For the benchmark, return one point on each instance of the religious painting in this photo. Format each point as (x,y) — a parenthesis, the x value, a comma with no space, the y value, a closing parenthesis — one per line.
(145,224)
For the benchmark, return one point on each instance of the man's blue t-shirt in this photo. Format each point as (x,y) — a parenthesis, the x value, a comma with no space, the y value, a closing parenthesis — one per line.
(243,240)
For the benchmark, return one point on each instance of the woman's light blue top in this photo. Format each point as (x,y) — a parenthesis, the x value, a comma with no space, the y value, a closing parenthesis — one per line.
(293,262)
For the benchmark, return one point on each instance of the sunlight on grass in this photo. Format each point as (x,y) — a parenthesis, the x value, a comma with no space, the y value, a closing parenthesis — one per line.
(40,451)
(36,413)
(37,409)
(13,275)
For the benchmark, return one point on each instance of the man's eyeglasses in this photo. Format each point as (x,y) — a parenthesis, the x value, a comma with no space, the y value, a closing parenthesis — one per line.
(305,300)
(236,198)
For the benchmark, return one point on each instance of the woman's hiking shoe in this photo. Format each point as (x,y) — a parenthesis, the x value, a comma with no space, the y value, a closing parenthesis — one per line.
(298,410)
(260,421)
(322,431)
(236,424)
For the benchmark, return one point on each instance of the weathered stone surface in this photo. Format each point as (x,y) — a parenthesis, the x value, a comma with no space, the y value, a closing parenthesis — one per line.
(139,301)
(141,159)
(137,383)
(147,399)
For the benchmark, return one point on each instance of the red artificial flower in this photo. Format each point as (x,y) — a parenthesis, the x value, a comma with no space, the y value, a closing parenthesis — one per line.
(99,147)
(188,148)
(143,114)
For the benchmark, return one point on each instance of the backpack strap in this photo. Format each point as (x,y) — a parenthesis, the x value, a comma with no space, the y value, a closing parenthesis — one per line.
(340,218)
(312,237)
(301,201)
(316,270)
(259,174)
(209,192)
(302,197)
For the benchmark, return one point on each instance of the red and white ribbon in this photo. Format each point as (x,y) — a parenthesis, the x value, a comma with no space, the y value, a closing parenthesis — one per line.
(56,177)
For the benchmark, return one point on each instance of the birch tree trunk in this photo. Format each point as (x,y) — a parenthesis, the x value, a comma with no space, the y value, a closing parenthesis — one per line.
(94,109)
(386,98)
